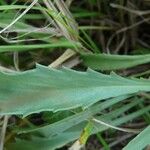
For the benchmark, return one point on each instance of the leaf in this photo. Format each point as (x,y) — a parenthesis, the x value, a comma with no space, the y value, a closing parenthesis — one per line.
(53,142)
(10,48)
(140,141)
(44,143)
(47,89)
(68,122)
(120,120)
(48,143)
(113,62)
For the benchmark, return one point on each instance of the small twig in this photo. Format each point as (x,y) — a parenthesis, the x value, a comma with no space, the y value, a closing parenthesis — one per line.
(123,30)
(143,43)
(16,60)
(72,63)
(136,12)
(121,43)
(66,55)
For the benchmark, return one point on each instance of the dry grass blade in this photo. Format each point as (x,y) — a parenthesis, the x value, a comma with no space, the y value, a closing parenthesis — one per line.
(3,132)
(68,54)
(116,128)
(124,30)
(136,12)
(76,146)
(21,15)
(68,33)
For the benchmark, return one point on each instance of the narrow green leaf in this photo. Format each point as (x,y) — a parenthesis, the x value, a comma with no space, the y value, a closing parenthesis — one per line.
(47,89)
(91,42)
(140,141)
(10,48)
(120,120)
(44,143)
(113,62)
(66,123)
(12,7)
(73,133)
(102,141)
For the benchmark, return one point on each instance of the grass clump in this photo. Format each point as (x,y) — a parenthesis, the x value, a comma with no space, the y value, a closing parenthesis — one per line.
(74,74)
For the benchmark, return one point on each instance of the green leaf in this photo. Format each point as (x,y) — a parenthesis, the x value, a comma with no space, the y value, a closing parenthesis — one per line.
(10,48)
(53,142)
(44,143)
(113,62)
(48,143)
(47,89)
(68,122)
(140,141)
